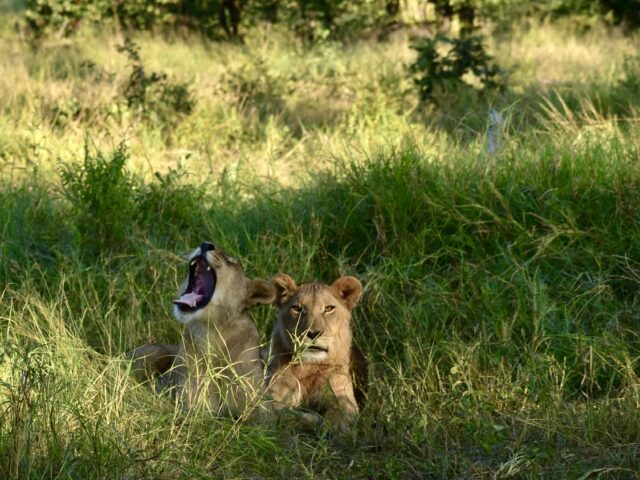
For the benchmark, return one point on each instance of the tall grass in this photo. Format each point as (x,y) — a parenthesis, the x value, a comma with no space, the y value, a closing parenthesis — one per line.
(500,312)
(500,316)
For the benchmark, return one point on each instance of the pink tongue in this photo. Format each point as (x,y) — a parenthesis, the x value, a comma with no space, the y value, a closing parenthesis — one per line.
(189,299)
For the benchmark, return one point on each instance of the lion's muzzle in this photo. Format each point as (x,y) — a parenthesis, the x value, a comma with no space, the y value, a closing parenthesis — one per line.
(201,284)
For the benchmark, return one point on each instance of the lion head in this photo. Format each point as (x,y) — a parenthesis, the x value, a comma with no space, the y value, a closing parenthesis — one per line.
(216,280)
(314,320)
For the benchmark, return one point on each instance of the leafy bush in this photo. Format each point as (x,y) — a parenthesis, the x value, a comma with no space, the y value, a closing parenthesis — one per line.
(257,89)
(313,20)
(620,12)
(60,17)
(625,12)
(169,206)
(63,18)
(141,14)
(44,17)
(111,207)
(318,20)
(152,94)
(101,195)
(505,12)
(433,70)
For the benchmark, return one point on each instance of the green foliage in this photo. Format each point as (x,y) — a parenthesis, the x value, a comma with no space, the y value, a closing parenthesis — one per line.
(313,20)
(318,20)
(257,90)
(60,17)
(506,12)
(391,211)
(494,293)
(141,14)
(152,94)
(101,195)
(435,71)
(625,12)
(111,207)
(169,206)
(500,310)
(63,18)
(32,225)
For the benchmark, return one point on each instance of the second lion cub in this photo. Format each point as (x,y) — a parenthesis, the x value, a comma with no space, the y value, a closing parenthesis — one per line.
(311,353)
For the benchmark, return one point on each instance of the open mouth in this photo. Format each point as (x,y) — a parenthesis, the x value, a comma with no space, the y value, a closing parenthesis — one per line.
(200,287)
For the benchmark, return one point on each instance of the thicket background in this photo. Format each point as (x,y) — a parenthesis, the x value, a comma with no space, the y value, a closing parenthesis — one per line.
(475,163)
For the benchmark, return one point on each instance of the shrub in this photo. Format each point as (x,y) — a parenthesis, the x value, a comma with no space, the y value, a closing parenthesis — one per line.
(152,94)
(61,17)
(257,89)
(433,70)
(110,207)
(101,194)
(168,206)
(311,19)
(45,17)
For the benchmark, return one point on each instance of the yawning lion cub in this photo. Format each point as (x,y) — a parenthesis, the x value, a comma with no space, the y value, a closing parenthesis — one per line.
(217,363)
(311,352)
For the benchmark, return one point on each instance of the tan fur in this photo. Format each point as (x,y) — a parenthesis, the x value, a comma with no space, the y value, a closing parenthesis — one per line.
(311,348)
(217,363)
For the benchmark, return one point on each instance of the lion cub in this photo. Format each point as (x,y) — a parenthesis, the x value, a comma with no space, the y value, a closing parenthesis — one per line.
(310,350)
(217,363)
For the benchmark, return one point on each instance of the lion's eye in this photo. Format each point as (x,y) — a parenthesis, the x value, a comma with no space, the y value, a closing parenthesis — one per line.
(329,308)
(297,309)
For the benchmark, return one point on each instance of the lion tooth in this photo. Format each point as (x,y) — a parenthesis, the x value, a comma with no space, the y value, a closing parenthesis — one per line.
(208,269)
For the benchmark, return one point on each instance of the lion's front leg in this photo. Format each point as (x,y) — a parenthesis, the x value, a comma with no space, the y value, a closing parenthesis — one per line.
(152,361)
(342,409)
(284,391)
(245,385)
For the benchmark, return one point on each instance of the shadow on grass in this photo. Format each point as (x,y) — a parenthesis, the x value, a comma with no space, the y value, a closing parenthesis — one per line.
(494,291)
(541,245)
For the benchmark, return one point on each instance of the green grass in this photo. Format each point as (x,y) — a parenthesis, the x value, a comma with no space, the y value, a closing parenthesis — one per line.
(500,315)
(500,311)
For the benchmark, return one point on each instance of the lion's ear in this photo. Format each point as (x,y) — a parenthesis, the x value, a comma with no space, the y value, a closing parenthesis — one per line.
(349,289)
(260,291)
(285,287)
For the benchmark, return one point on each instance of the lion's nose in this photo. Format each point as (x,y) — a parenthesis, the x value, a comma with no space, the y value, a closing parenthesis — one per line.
(206,246)
(313,335)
